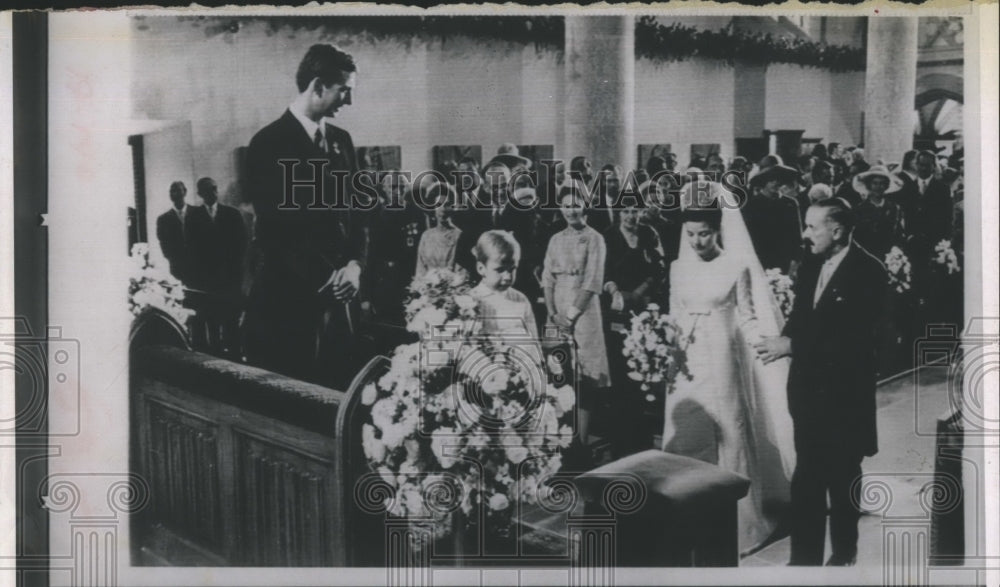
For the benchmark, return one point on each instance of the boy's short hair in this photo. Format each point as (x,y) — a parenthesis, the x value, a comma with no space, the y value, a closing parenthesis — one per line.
(497,244)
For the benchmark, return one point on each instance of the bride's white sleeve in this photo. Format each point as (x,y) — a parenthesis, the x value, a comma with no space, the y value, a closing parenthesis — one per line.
(745,310)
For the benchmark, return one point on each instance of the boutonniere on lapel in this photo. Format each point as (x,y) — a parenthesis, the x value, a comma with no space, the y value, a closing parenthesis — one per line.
(335,147)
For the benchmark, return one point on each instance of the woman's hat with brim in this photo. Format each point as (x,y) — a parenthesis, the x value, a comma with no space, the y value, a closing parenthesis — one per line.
(781,173)
(860,182)
(508,155)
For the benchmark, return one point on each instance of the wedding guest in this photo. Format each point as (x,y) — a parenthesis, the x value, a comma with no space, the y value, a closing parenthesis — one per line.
(170,231)
(879,222)
(572,279)
(635,274)
(607,188)
(773,218)
(438,244)
(502,308)
(218,247)
(491,213)
(395,227)
(469,184)
(636,268)
(928,211)
(581,169)
(299,317)
(831,337)
(655,165)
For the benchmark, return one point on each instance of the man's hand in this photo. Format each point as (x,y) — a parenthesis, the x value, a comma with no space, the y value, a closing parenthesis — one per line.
(343,283)
(772,348)
(349,282)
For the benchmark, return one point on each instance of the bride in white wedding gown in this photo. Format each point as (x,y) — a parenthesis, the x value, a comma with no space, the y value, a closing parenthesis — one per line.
(733,411)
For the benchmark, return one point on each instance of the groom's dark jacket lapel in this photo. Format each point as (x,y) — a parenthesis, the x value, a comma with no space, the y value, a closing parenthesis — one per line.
(831,383)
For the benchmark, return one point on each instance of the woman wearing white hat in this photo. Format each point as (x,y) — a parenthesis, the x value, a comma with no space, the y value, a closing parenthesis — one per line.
(879,220)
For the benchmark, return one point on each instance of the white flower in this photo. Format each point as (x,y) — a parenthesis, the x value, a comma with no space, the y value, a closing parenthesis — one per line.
(368,394)
(566,397)
(442,440)
(499,502)
(384,412)
(374,449)
(495,382)
(516,454)
(565,436)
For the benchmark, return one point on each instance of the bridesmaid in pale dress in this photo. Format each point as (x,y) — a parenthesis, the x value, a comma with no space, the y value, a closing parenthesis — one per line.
(572,278)
(438,244)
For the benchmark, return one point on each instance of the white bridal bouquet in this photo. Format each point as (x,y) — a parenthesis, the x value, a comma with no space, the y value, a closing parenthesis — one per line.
(898,266)
(653,349)
(472,418)
(782,288)
(945,257)
(151,287)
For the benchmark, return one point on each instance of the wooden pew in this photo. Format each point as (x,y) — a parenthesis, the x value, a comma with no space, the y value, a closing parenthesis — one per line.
(245,467)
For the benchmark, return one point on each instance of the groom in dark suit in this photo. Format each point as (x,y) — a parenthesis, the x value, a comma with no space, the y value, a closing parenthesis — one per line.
(299,317)
(831,337)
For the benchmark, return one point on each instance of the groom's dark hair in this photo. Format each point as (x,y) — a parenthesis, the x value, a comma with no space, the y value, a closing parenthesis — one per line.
(839,211)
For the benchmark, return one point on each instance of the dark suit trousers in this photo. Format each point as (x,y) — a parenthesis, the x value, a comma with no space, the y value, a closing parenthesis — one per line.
(823,470)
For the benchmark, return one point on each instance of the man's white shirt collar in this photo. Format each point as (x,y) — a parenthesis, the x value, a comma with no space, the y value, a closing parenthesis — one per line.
(182,212)
(307,123)
(835,261)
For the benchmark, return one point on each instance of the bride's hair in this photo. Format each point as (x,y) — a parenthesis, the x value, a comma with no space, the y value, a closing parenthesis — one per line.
(712,216)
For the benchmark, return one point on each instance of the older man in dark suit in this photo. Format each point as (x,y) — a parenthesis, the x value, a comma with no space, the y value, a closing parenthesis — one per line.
(301,314)
(831,337)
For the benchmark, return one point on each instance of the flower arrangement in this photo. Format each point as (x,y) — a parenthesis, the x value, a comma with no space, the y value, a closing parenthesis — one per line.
(150,287)
(475,417)
(898,266)
(438,297)
(945,257)
(653,349)
(782,290)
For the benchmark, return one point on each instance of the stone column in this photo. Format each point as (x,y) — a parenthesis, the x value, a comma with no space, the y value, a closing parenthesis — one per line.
(599,104)
(890,87)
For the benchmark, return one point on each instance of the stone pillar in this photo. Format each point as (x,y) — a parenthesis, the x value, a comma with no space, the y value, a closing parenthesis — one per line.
(599,104)
(890,87)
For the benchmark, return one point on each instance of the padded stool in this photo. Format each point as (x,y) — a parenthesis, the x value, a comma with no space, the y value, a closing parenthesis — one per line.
(687,516)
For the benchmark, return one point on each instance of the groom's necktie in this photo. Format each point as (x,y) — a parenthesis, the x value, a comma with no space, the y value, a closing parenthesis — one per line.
(319,141)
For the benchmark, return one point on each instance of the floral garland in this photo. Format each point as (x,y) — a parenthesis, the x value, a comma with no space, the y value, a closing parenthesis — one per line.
(677,42)
(458,420)
(653,40)
(544,32)
(150,287)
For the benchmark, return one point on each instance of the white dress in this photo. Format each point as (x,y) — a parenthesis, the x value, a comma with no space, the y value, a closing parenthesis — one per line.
(723,414)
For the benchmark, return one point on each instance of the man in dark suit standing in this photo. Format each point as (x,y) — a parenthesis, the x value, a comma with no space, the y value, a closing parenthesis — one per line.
(171,231)
(218,245)
(302,311)
(831,337)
